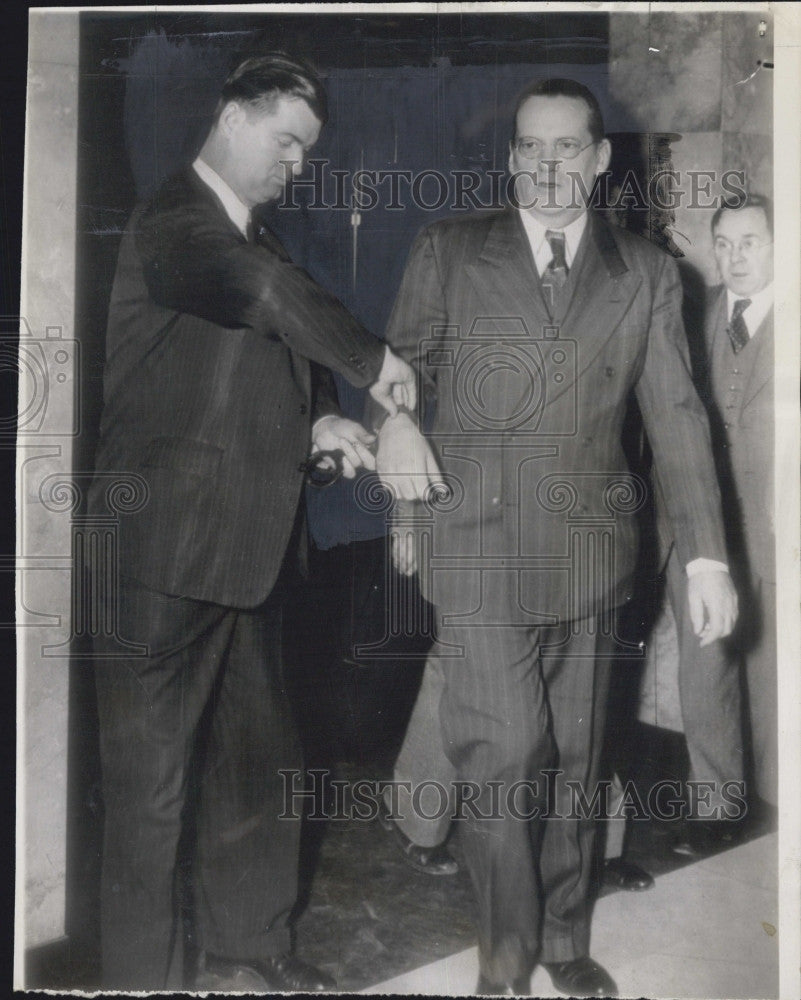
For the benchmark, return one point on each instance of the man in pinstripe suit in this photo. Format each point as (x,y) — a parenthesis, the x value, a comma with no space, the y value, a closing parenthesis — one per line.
(216,350)
(530,327)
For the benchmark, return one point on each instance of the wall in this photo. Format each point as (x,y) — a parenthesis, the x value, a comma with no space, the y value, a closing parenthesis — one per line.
(696,75)
(49,418)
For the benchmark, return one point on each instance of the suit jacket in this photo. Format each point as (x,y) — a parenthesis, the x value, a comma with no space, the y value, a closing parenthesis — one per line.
(743,432)
(529,411)
(209,394)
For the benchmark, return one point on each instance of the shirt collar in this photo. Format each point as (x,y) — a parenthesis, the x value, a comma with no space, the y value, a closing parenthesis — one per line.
(535,230)
(235,209)
(753,315)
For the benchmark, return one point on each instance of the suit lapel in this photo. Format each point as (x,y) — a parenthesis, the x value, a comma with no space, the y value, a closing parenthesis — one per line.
(263,235)
(762,362)
(602,295)
(200,187)
(715,322)
(506,275)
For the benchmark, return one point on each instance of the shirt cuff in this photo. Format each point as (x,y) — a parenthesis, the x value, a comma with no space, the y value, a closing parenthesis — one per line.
(320,420)
(705,565)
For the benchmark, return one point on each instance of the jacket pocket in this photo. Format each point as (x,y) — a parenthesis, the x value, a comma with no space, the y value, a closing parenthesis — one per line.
(183,455)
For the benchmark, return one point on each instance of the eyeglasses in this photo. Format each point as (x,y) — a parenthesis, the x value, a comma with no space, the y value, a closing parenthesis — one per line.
(747,246)
(565,149)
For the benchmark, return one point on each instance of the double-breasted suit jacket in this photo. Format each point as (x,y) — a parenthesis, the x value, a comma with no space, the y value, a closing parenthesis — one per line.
(209,394)
(530,407)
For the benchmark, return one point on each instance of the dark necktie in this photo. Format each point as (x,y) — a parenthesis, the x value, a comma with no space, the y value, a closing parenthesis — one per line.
(555,274)
(737,330)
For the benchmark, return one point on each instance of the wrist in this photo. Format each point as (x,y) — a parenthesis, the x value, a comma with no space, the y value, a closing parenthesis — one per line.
(403,420)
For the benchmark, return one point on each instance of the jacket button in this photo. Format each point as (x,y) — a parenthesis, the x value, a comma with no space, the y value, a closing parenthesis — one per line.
(304,408)
(609,371)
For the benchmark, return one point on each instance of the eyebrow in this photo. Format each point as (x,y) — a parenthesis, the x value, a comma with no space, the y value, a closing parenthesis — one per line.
(559,138)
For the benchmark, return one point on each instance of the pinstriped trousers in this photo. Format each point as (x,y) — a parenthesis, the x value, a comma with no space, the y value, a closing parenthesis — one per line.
(520,700)
(208,698)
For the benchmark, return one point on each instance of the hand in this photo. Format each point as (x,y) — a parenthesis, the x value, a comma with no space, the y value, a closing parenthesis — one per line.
(334,433)
(396,384)
(404,460)
(713,605)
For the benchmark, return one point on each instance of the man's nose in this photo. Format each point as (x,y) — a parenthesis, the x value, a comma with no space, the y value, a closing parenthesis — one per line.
(549,165)
(292,167)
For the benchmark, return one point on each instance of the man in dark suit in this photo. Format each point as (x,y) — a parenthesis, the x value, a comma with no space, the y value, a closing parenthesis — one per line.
(530,327)
(738,385)
(215,352)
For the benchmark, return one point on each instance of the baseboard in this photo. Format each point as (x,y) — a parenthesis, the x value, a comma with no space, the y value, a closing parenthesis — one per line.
(62,964)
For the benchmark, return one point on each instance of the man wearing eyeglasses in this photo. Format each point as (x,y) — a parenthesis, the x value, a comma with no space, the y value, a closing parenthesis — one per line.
(739,384)
(530,328)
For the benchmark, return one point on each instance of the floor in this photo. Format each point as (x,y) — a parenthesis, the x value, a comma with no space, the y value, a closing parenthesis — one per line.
(706,930)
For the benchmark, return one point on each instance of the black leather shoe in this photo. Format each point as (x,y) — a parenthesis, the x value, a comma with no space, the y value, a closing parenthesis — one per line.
(581,977)
(622,874)
(519,987)
(282,973)
(429,860)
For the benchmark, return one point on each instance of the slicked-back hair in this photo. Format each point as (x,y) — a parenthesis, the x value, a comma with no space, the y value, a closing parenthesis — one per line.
(260,81)
(562,87)
(739,202)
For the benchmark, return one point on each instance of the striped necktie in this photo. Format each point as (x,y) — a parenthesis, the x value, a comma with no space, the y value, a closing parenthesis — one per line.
(555,274)
(737,330)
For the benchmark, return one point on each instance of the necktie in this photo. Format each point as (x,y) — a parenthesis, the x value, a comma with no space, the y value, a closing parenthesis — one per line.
(737,330)
(555,274)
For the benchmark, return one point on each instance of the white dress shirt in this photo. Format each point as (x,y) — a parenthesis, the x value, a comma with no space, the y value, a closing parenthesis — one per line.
(761,303)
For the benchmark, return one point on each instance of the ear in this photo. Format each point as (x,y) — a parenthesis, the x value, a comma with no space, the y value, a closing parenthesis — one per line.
(511,161)
(231,117)
(603,156)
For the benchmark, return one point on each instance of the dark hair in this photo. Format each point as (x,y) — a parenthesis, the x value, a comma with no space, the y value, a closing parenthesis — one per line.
(559,87)
(741,201)
(260,80)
